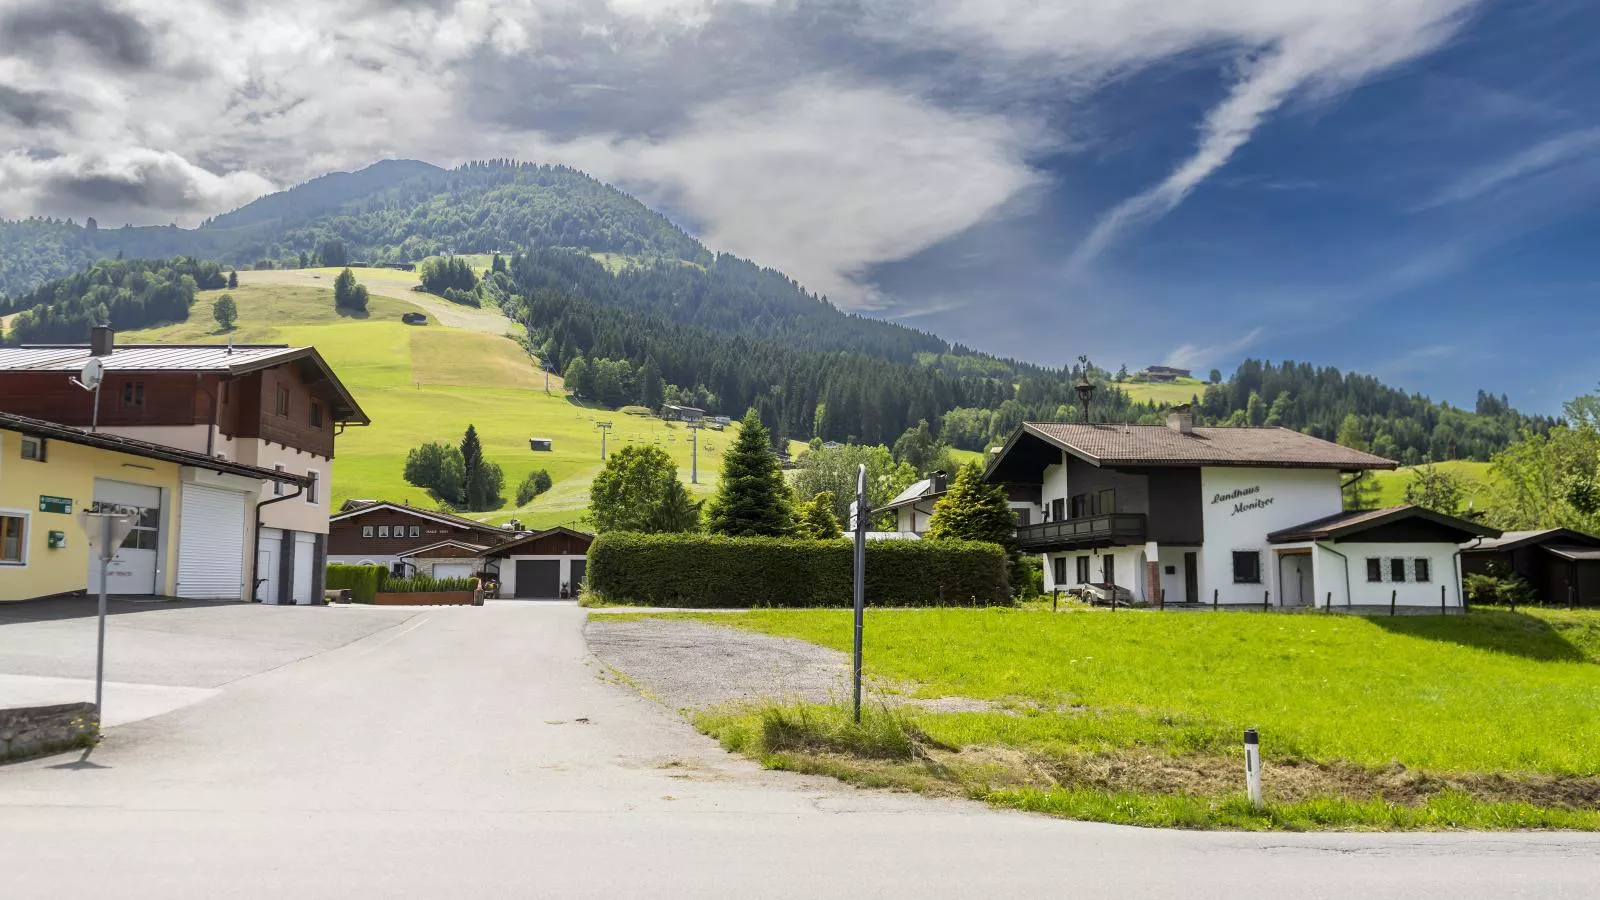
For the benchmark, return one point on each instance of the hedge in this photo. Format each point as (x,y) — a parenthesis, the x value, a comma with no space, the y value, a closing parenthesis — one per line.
(361,581)
(427,584)
(713,571)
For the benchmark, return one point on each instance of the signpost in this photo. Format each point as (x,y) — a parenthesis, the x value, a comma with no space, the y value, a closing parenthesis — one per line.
(105,527)
(862,511)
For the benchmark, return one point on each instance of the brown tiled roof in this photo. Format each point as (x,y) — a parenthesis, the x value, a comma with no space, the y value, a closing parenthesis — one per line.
(1355,521)
(1159,445)
(436,515)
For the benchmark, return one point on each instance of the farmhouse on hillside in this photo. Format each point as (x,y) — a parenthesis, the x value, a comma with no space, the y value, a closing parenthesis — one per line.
(1165,373)
(276,408)
(409,540)
(1236,516)
(184,542)
(1561,565)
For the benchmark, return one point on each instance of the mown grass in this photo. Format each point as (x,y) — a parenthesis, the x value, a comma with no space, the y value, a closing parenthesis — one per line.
(1492,692)
(1484,721)
(1167,393)
(1475,480)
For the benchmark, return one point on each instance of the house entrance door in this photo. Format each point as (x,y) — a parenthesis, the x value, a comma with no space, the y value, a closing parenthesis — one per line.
(1191,577)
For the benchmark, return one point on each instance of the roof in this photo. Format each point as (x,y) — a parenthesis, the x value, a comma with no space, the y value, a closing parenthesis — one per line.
(922,490)
(448,542)
(506,548)
(431,514)
(1513,540)
(1355,521)
(1160,445)
(1576,554)
(226,359)
(144,449)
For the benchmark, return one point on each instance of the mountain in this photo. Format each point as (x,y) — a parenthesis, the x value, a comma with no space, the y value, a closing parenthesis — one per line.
(592,273)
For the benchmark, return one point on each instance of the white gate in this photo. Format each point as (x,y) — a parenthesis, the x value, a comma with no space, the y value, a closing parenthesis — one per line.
(133,569)
(210,544)
(269,543)
(305,557)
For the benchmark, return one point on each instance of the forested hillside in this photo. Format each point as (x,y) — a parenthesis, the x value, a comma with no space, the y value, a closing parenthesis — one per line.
(124,294)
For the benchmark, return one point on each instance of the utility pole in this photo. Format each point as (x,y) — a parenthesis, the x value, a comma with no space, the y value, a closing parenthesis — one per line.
(604,428)
(694,452)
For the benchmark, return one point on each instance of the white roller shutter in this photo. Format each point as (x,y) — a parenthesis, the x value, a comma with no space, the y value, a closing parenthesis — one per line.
(210,544)
(452,570)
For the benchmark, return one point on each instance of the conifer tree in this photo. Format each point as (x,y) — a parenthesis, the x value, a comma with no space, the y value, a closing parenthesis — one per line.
(233,279)
(974,511)
(816,518)
(752,499)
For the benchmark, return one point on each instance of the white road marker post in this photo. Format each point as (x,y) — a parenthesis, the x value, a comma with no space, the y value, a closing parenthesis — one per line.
(1252,766)
(862,512)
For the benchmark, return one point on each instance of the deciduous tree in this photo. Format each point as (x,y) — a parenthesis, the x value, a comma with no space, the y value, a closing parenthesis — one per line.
(638,490)
(225,311)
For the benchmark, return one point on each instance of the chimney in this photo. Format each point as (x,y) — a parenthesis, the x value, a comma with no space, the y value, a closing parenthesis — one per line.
(1181,419)
(101,340)
(937,481)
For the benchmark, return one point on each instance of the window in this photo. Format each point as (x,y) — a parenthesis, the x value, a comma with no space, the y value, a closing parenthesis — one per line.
(1374,569)
(1420,567)
(277,486)
(1060,570)
(283,401)
(1397,570)
(366,531)
(1108,569)
(1247,567)
(311,489)
(416,531)
(1080,505)
(33,448)
(13,539)
(133,394)
(146,532)
(316,415)
(1023,515)
(1058,509)
(1106,502)
(383,531)
(1083,570)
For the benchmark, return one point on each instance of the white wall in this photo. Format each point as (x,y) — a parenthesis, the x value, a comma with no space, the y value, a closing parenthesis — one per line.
(352,559)
(296,514)
(1443,565)
(1241,506)
(1055,484)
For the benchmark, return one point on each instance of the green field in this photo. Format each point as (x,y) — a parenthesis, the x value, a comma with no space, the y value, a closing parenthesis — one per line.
(1165,393)
(1474,478)
(1487,720)
(428,383)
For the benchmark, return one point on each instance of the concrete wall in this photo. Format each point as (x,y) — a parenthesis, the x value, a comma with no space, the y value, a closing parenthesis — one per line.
(1242,506)
(296,514)
(40,730)
(1444,572)
(69,470)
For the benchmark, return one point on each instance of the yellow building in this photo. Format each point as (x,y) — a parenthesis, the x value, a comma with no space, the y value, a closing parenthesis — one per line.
(50,473)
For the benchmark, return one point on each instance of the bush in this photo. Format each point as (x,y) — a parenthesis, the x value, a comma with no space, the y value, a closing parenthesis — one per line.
(1486,589)
(1027,576)
(536,483)
(427,584)
(636,411)
(718,571)
(361,581)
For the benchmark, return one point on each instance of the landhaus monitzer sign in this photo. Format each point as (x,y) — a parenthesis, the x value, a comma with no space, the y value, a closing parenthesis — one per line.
(1243,505)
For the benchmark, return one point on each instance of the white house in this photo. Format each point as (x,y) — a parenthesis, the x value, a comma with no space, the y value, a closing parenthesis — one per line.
(913,507)
(1179,514)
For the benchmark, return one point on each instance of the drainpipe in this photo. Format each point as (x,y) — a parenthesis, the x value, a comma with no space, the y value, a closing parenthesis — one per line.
(1346,572)
(211,431)
(255,550)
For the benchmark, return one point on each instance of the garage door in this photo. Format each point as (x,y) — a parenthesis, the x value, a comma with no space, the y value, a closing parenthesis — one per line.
(271,542)
(305,558)
(133,569)
(578,568)
(538,579)
(452,570)
(210,544)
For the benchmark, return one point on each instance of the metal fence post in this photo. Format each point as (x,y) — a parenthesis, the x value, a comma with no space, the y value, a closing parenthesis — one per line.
(1393,594)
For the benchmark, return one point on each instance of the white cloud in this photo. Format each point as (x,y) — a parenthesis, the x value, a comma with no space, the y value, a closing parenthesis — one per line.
(1193,356)
(1537,159)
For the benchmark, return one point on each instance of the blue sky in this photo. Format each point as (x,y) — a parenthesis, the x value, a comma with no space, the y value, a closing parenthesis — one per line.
(1401,187)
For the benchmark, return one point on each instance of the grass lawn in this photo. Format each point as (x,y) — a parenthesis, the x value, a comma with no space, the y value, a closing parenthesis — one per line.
(425,383)
(1475,481)
(1489,720)
(1168,393)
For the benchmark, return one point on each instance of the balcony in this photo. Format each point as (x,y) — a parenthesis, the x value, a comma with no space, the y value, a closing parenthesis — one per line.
(1114,530)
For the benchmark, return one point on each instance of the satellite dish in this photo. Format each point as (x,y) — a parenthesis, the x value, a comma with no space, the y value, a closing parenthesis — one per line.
(93,372)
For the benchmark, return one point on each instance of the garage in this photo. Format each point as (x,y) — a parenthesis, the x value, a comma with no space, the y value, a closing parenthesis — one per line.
(305,567)
(545,565)
(452,570)
(211,544)
(135,568)
(538,579)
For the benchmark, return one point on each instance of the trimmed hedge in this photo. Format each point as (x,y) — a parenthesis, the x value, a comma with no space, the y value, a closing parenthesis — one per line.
(361,581)
(715,571)
(427,584)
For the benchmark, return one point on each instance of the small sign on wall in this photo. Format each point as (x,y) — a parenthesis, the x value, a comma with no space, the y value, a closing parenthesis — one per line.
(58,540)
(49,504)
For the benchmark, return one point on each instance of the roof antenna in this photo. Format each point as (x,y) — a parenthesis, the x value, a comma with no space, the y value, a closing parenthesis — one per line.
(230,345)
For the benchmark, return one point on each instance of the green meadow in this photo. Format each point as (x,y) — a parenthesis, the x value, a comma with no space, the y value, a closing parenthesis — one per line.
(1169,393)
(423,383)
(1488,720)
(1474,476)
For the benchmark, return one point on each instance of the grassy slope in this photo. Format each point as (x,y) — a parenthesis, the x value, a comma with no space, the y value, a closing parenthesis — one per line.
(1168,394)
(428,383)
(1474,478)
(1491,692)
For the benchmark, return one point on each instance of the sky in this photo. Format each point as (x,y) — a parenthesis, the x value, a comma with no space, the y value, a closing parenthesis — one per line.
(1408,188)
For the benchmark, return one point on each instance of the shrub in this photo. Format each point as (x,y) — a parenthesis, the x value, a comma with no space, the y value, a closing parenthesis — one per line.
(427,584)
(536,483)
(361,581)
(718,571)
(636,411)
(1482,589)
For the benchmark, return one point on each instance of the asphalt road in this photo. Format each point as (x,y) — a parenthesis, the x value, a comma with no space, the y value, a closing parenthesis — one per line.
(480,752)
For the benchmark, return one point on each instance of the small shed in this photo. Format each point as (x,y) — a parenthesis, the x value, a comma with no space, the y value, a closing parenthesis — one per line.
(540,444)
(1562,565)
(545,565)
(673,412)
(414,318)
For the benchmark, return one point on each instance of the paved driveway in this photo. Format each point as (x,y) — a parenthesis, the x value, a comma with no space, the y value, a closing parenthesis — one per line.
(480,752)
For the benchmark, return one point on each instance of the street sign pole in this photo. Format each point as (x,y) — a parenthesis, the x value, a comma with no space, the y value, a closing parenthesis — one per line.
(107,550)
(862,513)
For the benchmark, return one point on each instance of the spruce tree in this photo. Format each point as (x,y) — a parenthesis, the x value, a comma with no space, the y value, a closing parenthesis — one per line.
(233,279)
(752,499)
(816,518)
(475,478)
(974,511)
